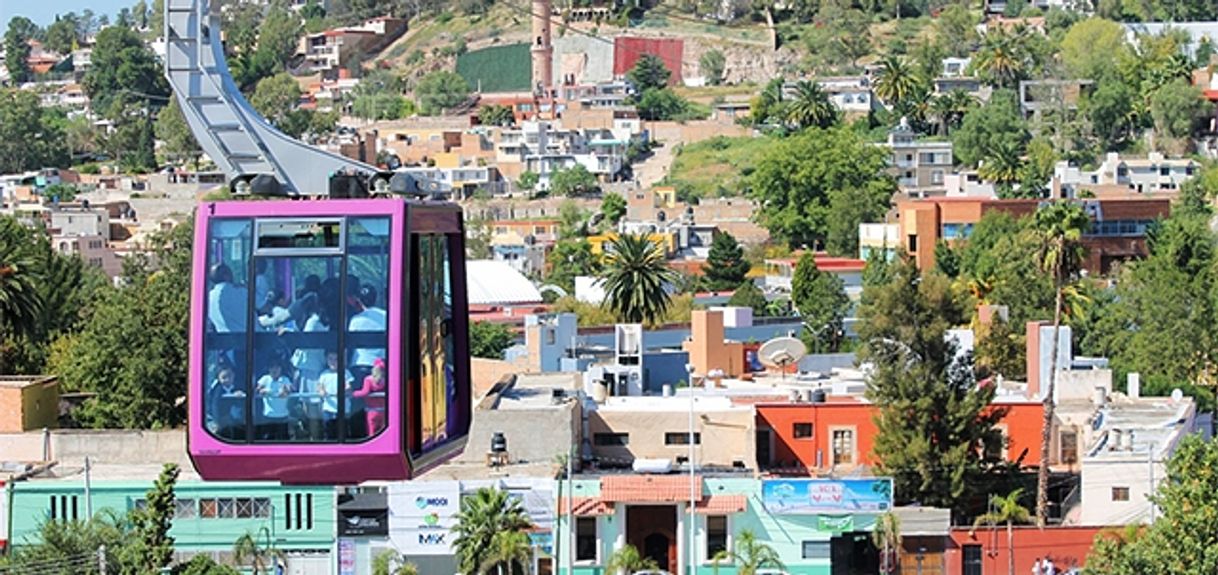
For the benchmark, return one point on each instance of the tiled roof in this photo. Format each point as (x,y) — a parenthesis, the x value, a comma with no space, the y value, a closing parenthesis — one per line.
(648,488)
(722,504)
(586,506)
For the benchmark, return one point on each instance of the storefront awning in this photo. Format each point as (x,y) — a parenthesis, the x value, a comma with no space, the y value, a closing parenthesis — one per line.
(586,506)
(722,505)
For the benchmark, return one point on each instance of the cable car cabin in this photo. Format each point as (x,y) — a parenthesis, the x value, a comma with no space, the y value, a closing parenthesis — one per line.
(329,340)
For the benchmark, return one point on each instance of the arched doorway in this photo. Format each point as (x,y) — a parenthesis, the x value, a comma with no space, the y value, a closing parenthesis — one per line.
(655,547)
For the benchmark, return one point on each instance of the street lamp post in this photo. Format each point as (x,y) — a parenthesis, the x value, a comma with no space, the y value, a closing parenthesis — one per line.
(689,368)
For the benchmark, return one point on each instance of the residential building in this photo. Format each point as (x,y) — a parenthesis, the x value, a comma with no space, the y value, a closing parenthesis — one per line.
(780,271)
(709,350)
(626,430)
(1196,32)
(329,51)
(955,67)
(1125,175)
(1117,232)
(523,244)
(986,549)
(93,249)
(879,239)
(920,166)
(968,183)
(525,408)
(80,220)
(852,95)
(1060,96)
(966,84)
(28,403)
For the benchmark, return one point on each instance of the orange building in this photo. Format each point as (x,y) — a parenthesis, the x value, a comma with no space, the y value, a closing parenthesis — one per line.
(1118,225)
(985,550)
(839,434)
(709,350)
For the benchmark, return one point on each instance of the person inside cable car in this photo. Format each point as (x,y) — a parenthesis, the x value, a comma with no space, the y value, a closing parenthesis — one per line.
(373,392)
(225,301)
(226,400)
(274,388)
(328,389)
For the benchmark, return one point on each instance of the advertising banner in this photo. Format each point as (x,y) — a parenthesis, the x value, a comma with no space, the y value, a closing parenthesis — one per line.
(422,515)
(346,557)
(826,496)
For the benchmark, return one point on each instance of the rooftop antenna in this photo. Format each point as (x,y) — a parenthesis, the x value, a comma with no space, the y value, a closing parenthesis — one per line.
(781,352)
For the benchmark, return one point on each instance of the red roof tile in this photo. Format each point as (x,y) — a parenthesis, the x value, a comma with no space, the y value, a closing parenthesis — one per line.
(722,504)
(648,488)
(586,506)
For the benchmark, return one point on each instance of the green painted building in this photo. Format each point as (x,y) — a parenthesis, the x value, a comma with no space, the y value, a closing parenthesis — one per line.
(301,521)
(652,513)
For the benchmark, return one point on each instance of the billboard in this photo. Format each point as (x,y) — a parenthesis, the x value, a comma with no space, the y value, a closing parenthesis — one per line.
(421,516)
(826,496)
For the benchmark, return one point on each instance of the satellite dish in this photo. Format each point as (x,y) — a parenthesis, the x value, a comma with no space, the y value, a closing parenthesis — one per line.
(781,352)
(1177,395)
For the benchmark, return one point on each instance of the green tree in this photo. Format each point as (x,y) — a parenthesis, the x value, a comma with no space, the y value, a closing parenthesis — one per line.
(488,339)
(488,514)
(440,90)
(496,115)
(17,49)
(797,179)
(62,34)
(131,352)
(957,26)
(172,129)
(711,64)
(1180,540)
(29,139)
(150,547)
(769,106)
(1005,510)
(649,73)
(636,277)
(390,562)
(1002,163)
(897,84)
(935,427)
(842,34)
(996,125)
(664,104)
(1093,48)
(821,300)
(378,96)
(1110,109)
(726,266)
(1175,108)
(123,67)
(1004,57)
(1000,351)
(570,258)
(810,107)
(748,295)
(64,543)
(259,549)
(627,560)
(1061,226)
(278,33)
(528,180)
(276,97)
(613,209)
(573,181)
(20,306)
(750,554)
(203,565)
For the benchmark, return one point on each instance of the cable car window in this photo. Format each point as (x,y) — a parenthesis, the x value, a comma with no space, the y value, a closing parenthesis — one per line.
(367,285)
(296,320)
(227,315)
(300,235)
(437,380)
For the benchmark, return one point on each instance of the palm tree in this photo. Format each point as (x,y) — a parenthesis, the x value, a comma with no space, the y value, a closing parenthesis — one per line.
(1003,163)
(1002,57)
(483,517)
(948,110)
(20,306)
(635,276)
(1005,510)
(390,562)
(750,555)
(510,549)
(887,538)
(262,558)
(1061,226)
(897,83)
(628,560)
(810,106)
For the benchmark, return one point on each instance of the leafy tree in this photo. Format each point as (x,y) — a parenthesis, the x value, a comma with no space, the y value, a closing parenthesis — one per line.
(897,84)
(172,129)
(957,26)
(488,514)
(810,107)
(29,138)
(1093,48)
(124,68)
(613,209)
(798,179)
(821,300)
(63,543)
(636,277)
(151,547)
(769,106)
(841,34)
(664,104)
(132,350)
(568,259)
(203,565)
(528,180)
(934,424)
(1110,110)
(1175,108)
(390,562)
(573,181)
(1000,351)
(649,73)
(747,294)
(750,554)
(17,49)
(488,339)
(1179,541)
(62,34)
(726,266)
(628,560)
(276,97)
(1002,164)
(278,34)
(711,64)
(262,556)
(378,96)
(996,125)
(496,115)
(948,110)
(947,261)
(1061,226)
(1009,511)
(440,90)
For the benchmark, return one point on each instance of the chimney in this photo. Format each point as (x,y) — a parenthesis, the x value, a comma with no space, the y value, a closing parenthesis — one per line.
(1133,385)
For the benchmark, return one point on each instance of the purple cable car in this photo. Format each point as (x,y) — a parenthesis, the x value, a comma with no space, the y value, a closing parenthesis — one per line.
(329,340)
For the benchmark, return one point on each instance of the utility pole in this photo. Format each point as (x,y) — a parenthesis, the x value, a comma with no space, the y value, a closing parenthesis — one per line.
(692,517)
(88,490)
(570,512)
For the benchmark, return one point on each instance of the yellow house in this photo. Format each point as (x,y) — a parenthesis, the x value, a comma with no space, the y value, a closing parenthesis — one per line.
(666,240)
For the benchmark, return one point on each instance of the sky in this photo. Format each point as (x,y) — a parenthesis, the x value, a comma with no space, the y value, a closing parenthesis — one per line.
(43,12)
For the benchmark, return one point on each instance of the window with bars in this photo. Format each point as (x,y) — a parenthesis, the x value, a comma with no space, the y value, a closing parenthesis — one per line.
(245,508)
(207,509)
(227,508)
(843,447)
(185,509)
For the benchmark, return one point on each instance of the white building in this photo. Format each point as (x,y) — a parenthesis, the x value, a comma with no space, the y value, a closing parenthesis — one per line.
(1154,173)
(920,166)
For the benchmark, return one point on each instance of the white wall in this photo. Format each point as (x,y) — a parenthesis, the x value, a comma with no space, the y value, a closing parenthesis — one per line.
(1098,479)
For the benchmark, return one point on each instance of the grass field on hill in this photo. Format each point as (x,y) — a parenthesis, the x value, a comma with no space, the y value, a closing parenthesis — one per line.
(716,167)
(498,68)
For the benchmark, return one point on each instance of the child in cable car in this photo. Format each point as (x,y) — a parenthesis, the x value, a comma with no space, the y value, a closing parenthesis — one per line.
(374,393)
(274,389)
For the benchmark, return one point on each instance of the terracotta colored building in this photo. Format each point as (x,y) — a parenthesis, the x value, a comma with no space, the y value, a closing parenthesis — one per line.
(1118,225)
(985,550)
(839,434)
(28,403)
(709,350)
